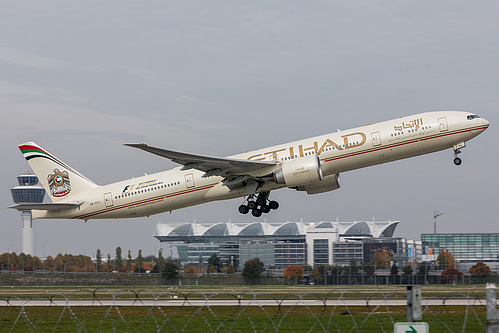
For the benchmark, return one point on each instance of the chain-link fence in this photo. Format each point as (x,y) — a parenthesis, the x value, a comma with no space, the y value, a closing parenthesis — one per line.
(103,310)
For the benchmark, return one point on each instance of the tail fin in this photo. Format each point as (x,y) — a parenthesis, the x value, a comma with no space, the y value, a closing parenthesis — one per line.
(59,180)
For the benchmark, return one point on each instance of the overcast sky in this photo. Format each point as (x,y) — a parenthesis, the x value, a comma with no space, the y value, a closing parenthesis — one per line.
(222,77)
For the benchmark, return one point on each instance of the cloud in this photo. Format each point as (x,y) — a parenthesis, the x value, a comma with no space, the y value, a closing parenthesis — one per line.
(27,59)
(10,91)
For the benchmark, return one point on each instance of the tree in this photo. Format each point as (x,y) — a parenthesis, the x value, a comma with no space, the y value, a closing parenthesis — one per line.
(445,259)
(48,263)
(382,259)
(129,261)
(293,273)
(450,274)
(423,269)
(109,265)
(98,260)
(479,270)
(170,270)
(260,263)
(407,273)
(138,262)
(354,268)
(316,276)
(252,269)
(231,269)
(214,260)
(118,259)
(190,270)
(59,262)
(37,263)
(161,260)
(407,269)
(394,270)
(368,268)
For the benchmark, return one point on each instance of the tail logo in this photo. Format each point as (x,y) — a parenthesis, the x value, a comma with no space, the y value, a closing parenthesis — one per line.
(59,183)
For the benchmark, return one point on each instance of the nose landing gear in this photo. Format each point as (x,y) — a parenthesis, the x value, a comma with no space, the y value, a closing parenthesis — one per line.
(258,204)
(457,150)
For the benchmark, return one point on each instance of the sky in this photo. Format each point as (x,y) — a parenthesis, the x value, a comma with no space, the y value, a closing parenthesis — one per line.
(223,77)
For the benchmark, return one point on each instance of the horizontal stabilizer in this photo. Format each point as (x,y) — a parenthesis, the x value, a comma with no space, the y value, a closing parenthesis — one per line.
(47,206)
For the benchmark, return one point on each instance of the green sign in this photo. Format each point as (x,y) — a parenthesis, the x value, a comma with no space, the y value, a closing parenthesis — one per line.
(411,328)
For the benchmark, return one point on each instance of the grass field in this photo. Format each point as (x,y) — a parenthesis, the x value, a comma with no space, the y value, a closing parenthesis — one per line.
(223,319)
(236,319)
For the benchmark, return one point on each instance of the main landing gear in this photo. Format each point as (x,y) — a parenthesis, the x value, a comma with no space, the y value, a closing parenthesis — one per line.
(258,204)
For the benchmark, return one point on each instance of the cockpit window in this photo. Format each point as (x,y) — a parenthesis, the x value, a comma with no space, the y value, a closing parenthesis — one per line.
(473,116)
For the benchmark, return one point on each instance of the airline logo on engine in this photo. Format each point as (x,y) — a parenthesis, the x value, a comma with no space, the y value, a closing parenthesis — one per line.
(352,140)
(301,171)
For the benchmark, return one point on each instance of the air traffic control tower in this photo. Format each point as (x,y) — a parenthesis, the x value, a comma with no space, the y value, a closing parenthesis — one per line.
(28,191)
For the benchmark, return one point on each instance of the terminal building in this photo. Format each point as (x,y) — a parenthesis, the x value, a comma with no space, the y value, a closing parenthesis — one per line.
(279,245)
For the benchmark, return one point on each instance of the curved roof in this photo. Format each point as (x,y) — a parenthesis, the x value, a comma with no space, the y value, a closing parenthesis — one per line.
(256,229)
(358,229)
(219,229)
(389,230)
(289,228)
(183,230)
(325,225)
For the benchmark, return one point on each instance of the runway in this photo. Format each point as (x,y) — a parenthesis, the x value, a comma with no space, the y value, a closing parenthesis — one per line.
(173,302)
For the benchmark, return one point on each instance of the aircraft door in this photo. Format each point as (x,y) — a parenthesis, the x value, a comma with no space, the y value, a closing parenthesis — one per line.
(189,180)
(376,139)
(108,199)
(442,124)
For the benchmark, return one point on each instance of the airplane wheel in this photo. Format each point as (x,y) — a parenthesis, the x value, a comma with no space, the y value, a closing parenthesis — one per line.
(457,161)
(243,209)
(256,212)
(265,209)
(260,201)
(251,205)
(273,204)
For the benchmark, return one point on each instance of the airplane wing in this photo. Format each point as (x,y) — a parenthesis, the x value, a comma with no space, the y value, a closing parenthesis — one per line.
(47,206)
(212,166)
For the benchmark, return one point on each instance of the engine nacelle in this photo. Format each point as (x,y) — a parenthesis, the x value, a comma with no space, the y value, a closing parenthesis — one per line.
(299,172)
(329,183)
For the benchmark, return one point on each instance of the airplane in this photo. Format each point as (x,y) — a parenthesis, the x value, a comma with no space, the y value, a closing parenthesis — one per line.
(311,165)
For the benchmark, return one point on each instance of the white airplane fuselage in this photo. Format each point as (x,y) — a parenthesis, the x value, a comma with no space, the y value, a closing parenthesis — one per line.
(338,152)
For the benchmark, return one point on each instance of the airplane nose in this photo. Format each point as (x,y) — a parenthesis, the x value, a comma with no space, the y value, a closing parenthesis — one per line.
(485,122)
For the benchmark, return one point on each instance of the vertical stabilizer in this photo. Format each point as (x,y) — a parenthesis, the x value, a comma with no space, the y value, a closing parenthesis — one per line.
(61,182)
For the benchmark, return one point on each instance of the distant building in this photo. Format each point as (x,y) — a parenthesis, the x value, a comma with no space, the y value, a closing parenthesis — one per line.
(467,249)
(196,253)
(282,244)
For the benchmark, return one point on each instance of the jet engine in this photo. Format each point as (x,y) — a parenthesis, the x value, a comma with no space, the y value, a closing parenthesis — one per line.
(299,172)
(328,183)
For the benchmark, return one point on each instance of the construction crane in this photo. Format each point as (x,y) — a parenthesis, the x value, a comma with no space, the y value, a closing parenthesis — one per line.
(435,215)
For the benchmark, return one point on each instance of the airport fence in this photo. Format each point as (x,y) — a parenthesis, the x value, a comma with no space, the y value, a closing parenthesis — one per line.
(103,310)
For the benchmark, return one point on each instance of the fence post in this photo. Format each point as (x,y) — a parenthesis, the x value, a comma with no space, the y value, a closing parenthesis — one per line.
(492,312)
(409,305)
